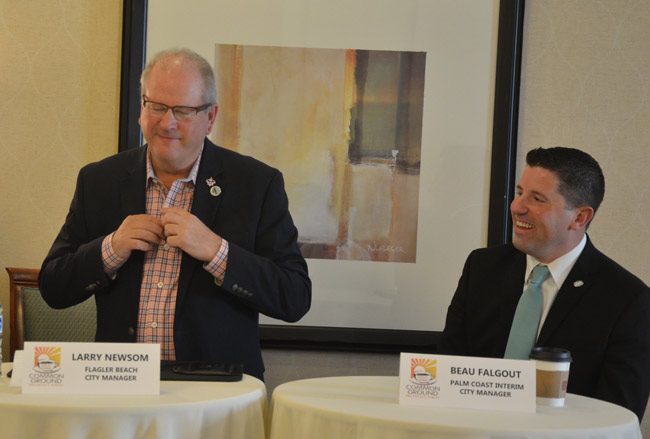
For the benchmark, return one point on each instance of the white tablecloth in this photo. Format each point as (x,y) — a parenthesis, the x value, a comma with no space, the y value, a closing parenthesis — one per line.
(184,409)
(367,408)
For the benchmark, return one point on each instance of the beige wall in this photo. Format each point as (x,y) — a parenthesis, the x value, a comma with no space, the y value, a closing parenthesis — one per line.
(585,83)
(59,77)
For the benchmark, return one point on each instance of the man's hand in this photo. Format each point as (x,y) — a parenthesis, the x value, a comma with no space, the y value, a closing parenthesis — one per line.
(187,232)
(137,232)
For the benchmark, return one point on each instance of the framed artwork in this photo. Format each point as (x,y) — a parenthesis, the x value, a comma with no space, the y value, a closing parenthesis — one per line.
(394,124)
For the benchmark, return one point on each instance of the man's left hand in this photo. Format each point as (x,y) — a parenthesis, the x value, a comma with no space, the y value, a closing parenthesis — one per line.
(187,232)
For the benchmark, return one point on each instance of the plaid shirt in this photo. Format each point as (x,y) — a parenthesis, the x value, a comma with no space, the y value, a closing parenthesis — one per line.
(162,264)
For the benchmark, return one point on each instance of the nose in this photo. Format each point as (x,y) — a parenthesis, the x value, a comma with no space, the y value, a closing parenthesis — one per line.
(168,120)
(518,206)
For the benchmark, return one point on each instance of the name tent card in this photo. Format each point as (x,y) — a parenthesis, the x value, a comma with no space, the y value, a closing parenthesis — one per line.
(91,368)
(467,382)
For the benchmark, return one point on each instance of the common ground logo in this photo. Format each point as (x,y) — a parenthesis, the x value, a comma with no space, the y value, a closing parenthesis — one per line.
(46,365)
(423,379)
(423,371)
(47,359)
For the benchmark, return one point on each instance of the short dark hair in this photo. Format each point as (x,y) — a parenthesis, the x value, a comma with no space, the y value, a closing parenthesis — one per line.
(582,182)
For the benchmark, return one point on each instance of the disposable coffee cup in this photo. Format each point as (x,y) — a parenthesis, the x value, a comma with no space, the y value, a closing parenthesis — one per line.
(552,372)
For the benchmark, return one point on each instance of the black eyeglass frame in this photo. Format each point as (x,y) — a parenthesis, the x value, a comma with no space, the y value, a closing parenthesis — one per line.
(176,108)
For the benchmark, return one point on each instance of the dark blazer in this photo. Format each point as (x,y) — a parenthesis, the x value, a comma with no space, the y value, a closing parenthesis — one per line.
(265,272)
(600,314)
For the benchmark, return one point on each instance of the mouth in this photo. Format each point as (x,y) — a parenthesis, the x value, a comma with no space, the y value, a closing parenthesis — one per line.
(167,134)
(523,225)
(168,137)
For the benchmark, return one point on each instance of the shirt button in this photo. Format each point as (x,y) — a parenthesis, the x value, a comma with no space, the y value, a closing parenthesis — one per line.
(166,246)
(160,284)
(154,325)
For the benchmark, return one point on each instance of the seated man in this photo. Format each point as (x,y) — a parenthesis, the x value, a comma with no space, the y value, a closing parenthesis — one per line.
(586,302)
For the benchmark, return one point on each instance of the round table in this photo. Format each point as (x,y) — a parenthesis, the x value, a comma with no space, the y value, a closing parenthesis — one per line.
(367,407)
(184,409)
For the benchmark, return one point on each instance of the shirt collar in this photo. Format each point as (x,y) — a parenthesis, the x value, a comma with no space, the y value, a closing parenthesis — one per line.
(560,267)
(151,173)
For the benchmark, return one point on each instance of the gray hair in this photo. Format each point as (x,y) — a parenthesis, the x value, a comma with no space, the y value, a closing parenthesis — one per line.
(189,56)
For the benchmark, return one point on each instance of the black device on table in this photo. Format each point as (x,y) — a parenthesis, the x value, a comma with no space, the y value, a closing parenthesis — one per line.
(200,371)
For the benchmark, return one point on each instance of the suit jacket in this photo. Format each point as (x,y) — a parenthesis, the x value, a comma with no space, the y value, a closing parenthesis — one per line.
(600,314)
(265,271)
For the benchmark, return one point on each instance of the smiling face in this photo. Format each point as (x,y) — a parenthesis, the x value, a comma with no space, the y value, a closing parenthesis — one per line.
(175,144)
(545,227)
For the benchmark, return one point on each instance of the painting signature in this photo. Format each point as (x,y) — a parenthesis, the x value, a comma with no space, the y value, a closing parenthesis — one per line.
(385,248)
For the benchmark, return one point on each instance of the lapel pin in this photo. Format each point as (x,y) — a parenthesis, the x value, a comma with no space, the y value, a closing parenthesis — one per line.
(578,283)
(215,191)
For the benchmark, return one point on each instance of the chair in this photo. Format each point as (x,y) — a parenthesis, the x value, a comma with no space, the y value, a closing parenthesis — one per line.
(31,319)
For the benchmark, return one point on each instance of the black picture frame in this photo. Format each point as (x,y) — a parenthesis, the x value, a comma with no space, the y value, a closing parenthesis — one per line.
(502,178)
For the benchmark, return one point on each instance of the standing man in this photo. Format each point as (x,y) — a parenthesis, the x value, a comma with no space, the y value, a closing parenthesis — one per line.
(588,304)
(181,242)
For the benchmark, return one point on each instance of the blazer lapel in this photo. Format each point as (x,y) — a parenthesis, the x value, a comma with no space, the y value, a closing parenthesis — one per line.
(132,190)
(210,185)
(205,204)
(132,193)
(511,290)
(577,283)
(513,282)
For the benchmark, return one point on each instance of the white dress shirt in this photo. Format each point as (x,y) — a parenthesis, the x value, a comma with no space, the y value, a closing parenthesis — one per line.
(559,269)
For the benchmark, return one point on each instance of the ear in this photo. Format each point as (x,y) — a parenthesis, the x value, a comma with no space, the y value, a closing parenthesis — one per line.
(212,116)
(582,218)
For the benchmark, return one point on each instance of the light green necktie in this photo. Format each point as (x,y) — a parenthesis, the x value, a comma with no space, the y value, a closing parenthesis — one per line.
(523,331)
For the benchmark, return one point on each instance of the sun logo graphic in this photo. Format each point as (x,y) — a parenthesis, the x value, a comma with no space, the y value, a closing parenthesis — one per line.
(423,371)
(47,359)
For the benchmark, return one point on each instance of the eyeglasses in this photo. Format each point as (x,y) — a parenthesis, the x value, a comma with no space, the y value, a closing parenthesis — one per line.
(181,112)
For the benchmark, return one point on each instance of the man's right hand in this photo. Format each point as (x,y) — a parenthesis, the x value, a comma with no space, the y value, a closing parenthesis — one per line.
(137,232)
